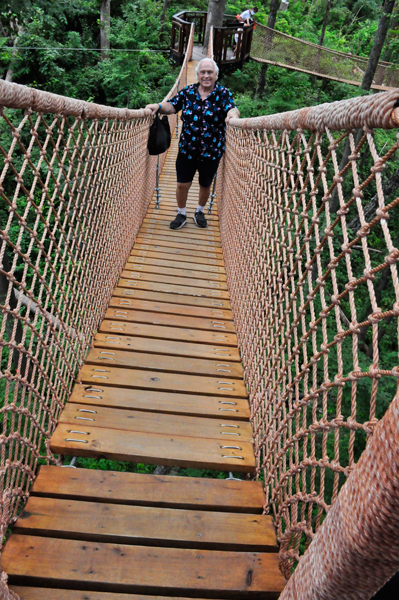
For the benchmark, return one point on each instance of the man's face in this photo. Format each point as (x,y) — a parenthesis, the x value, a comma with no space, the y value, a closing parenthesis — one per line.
(207,75)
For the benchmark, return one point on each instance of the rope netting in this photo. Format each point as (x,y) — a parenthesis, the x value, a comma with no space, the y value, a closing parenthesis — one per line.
(75,183)
(312,273)
(276,48)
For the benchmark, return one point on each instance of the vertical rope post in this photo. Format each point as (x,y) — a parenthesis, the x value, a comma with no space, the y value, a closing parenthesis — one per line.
(157,188)
(212,196)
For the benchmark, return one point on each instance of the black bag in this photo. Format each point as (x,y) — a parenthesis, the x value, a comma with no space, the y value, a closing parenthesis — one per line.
(159,137)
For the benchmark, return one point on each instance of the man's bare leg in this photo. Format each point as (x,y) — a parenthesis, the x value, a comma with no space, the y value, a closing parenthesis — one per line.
(204,194)
(182,194)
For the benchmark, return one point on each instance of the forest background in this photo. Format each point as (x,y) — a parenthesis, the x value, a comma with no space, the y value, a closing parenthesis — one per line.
(54,46)
(136,74)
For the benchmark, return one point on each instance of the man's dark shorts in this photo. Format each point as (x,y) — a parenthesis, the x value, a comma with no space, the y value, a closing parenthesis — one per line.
(186,168)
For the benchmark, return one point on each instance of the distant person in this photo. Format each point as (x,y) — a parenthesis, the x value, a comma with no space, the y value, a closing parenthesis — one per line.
(205,108)
(247,15)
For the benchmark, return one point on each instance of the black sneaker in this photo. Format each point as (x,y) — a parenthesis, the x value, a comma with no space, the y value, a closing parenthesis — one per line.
(178,222)
(199,219)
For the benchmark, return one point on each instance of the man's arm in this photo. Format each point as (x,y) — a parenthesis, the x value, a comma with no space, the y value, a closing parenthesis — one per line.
(233,113)
(165,108)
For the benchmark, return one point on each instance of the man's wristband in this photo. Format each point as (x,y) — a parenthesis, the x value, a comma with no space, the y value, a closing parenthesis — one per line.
(160,107)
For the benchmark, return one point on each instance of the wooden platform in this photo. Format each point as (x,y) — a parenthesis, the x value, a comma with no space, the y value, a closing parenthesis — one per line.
(162,384)
(102,535)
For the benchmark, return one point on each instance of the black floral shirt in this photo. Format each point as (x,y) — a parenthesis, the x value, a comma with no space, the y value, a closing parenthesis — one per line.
(204,128)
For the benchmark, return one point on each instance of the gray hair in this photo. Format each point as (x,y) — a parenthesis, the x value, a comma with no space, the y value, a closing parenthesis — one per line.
(216,68)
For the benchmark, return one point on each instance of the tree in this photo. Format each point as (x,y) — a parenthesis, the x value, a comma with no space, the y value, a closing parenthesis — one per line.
(164,9)
(325,21)
(215,18)
(260,86)
(105,17)
(379,40)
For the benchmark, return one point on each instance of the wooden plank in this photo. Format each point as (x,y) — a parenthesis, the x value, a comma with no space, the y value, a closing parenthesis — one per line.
(168,213)
(137,569)
(169,279)
(171,308)
(157,346)
(174,249)
(175,256)
(146,526)
(168,491)
(169,333)
(165,262)
(153,448)
(159,362)
(180,242)
(39,593)
(163,219)
(174,271)
(211,231)
(186,234)
(163,382)
(211,302)
(126,314)
(164,402)
(207,292)
(185,299)
(206,248)
(135,420)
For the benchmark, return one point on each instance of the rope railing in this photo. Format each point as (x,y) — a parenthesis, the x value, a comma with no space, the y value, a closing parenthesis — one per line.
(280,49)
(75,183)
(315,295)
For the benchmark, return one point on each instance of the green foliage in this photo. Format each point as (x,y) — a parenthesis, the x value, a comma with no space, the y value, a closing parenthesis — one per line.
(71,65)
(103,464)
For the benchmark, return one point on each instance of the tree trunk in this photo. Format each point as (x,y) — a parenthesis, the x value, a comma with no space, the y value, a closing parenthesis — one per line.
(388,50)
(19,360)
(105,18)
(379,40)
(215,18)
(389,188)
(261,83)
(10,71)
(325,21)
(321,40)
(164,9)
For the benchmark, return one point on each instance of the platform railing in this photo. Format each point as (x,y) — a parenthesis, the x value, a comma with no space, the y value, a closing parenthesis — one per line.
(231,42)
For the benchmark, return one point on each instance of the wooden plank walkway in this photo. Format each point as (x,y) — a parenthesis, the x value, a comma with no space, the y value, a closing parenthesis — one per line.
(162,384)
(95,535)
(167,345)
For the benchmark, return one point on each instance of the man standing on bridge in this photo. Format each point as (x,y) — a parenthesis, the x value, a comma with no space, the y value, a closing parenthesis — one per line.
(206,108)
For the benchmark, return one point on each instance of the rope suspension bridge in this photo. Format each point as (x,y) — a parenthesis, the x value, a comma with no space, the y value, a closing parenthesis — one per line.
(276,48)
(254,346)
